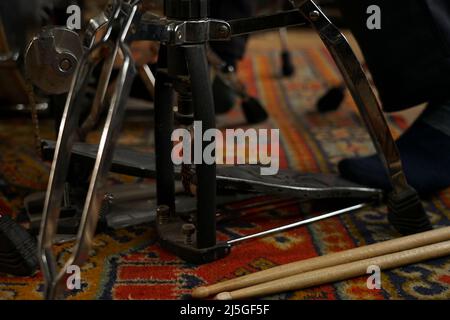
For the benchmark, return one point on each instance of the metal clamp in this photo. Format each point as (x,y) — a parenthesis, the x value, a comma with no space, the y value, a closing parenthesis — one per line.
(173,32)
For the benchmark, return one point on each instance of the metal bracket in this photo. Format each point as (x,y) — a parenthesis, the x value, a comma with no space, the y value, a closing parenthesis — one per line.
(173,32)
(9,60)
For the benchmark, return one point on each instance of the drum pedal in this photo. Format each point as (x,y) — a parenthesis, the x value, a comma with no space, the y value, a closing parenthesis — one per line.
(18,249)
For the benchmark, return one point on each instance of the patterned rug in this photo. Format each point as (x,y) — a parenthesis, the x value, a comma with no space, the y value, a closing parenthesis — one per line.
(129,264)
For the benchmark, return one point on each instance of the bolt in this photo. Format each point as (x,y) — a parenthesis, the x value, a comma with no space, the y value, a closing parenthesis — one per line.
(188,231)
(314,15)
(106,206)
(224,30)
(163,214)
(65,65)
(109,7)
(179,35)
(109,197)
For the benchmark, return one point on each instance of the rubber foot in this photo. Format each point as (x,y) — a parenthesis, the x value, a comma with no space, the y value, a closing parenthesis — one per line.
(406,213)
(288,68)
(332,100)
(254,111)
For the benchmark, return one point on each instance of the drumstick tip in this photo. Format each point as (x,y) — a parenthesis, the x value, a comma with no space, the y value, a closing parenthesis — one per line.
(224,296)
(200,293)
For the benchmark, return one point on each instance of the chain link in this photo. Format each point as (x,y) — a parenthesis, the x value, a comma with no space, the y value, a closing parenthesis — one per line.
(34,118)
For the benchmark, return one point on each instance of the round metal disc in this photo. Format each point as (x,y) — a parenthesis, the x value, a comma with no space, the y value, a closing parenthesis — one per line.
(52,58)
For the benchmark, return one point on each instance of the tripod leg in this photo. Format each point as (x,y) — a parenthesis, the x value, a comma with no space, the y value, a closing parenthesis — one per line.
(206,174)
(96,191)
(332,99)
(406,211)
(58,174)
(164,126)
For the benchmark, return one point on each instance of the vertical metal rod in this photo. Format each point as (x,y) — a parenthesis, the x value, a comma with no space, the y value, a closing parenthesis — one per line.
(164,126)
(206,174)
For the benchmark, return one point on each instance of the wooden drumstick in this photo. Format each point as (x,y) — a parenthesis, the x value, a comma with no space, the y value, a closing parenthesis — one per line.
(340,272)
(370,251)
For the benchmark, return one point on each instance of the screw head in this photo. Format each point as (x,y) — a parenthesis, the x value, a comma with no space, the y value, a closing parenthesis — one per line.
(109,197)
(65,65)
(163,209)
(133,29)
(188,229)
(163,214)
(314,15)
(224,30)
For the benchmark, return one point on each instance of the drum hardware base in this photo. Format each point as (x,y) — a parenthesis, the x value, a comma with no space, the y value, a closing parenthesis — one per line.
(134,204)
